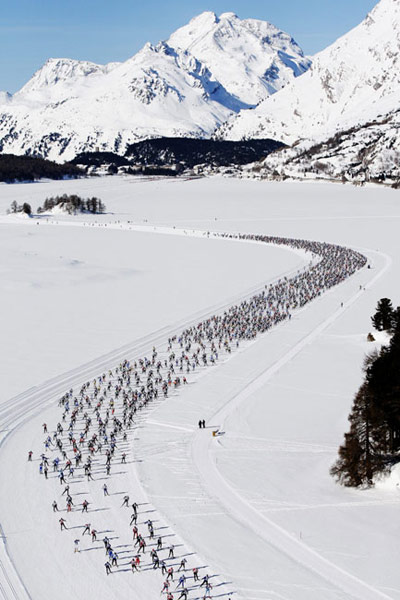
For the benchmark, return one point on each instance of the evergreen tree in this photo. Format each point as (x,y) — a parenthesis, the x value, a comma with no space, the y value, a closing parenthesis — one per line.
(382,319)
(73,204)
(26,208)
(360,457)
(383,379)
(92,205)
(373,441)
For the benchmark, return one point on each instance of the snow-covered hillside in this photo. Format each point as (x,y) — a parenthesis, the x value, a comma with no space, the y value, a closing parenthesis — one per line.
(208,70)
(368,152)
(353,81)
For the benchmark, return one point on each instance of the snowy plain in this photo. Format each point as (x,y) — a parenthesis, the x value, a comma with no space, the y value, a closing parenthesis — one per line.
(256,505)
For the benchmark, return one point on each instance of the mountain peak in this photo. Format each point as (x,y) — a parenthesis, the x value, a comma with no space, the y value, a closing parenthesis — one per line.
(351,82)
(59,71)
(185,86)
(251,58)
(228,16)
(206,18)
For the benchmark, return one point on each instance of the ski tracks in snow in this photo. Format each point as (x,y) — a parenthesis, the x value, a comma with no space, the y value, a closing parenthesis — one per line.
(18,410)
(219,488)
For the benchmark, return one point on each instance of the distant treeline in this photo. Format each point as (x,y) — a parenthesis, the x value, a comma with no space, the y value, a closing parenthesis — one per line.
(72,204)
(28,168)
(191,151)
(171,156)
(372,444)
(158,156)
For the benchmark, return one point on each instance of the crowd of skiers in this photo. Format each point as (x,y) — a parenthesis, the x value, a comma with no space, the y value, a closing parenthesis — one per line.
(89,439)
(97,419)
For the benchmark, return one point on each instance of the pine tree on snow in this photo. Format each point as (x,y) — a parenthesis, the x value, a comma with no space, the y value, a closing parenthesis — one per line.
(382,319)
(360,457)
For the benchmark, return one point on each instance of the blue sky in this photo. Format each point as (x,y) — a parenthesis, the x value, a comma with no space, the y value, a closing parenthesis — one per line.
(103,30)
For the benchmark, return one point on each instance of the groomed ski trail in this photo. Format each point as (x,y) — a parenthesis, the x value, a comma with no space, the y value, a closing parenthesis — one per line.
(205,461)
(15,412)
(18,410)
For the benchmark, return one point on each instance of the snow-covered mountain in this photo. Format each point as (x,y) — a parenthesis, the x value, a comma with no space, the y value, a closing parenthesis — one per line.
(56,73)
(353,81)
(210,69)
(270,58)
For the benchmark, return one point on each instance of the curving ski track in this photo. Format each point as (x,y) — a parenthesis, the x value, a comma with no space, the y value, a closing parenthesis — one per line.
(18,410)
(231,500)
(15,412)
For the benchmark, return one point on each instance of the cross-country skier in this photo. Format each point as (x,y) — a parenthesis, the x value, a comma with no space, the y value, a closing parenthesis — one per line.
(86,529)
(183,564)
(133,565)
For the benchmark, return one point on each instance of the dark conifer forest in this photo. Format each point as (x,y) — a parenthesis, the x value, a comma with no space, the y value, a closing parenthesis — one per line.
(28,168)
(372,444)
